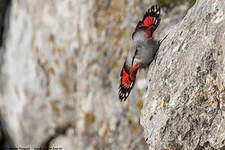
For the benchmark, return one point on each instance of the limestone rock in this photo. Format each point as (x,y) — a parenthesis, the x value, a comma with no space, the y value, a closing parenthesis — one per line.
(62,61)
(185,107)
(61,68)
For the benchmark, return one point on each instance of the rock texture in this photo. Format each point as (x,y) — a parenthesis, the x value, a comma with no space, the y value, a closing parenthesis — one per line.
(60,76)
(4,25)
(185,107)
(3,7)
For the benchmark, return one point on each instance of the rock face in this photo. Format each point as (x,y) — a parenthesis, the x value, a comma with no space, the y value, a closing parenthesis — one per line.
(3,8)
(4,24)
(60,75)
(185,107)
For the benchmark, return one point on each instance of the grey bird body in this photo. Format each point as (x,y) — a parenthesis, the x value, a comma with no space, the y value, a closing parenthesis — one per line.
(146,50)
(142,50)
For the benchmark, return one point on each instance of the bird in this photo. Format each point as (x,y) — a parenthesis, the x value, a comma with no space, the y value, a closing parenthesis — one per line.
(142,51)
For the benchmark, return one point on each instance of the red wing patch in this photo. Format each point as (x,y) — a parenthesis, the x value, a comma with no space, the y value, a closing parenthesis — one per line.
(127,81)
(149,22)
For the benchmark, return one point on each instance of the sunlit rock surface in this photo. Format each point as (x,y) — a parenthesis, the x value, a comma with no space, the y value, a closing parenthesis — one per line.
(60,75)
(185,107)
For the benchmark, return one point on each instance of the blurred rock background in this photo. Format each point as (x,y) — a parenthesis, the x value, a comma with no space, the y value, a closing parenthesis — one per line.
(60,66)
